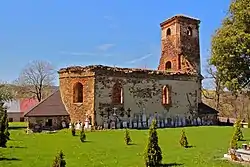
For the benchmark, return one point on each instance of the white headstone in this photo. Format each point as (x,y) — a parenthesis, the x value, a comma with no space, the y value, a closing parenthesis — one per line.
(139,125)
(158,124)
(145,124)
(162,124)
(112,125)
(172,123)
(166,122)
(124,124)
(184,123)
(130,123)
(118,125)
(135,124)
(199,121)
(70,125)
(106,125)
(144,118)
(78,126)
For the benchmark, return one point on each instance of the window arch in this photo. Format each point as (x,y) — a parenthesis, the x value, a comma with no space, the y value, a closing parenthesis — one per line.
(78,93)
(189,31)
(117,93)
(168,65)
(165,95)
(168,31)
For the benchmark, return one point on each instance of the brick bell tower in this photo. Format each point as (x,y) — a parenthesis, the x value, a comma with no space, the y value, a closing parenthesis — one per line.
(180,48)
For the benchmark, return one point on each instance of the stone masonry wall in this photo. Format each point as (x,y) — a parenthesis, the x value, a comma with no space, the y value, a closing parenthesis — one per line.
(56,121)
(145,93)
(78,111)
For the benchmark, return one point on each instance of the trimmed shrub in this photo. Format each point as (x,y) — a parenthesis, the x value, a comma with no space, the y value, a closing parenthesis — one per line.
(153,154)
(183,140)
(73,129)
(59,160)
(127,138)
(82,135)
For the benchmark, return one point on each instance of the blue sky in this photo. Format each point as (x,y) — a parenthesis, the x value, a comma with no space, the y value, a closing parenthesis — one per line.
(123,33)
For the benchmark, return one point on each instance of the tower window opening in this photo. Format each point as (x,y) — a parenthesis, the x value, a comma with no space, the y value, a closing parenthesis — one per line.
(189,31)
(168,31)
(168,65)
(78,93)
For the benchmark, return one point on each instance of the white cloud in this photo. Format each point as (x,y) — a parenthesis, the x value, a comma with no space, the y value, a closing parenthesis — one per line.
(79,53)
(105,47)
(139,59)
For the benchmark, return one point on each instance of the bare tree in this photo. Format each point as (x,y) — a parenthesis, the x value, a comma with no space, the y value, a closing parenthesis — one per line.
(35,79)
(217,84)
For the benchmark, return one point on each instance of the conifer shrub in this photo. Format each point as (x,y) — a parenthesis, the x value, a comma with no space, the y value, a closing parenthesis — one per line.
(153,154)
(183,140)
(233,143)
(127,138)
(73,129)
(3,131)
(82,135)
(6,131)
(59,160)
(238,132)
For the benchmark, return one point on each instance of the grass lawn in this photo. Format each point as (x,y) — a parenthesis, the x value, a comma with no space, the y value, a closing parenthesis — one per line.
(107,148)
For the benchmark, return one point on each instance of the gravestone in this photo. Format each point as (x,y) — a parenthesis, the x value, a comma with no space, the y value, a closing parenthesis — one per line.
(106,125)
(112,125)
(135,124)
(78,126)
(166,122)
(162,124)
(118,125)
(125,124)
(184,123)
(139,125)
(199,121)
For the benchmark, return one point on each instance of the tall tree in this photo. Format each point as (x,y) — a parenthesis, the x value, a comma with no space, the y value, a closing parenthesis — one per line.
(231,46)
(36,79)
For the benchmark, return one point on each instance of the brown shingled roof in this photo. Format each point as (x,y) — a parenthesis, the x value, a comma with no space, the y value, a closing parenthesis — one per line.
(51,106)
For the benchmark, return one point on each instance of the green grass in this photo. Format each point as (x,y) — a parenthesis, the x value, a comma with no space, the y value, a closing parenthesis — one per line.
(108,149)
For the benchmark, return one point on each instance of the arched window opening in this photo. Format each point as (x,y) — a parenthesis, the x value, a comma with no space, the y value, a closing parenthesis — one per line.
(168,31)
(189,31)
(165,95)
(117,94)
(78,93)
(168,65)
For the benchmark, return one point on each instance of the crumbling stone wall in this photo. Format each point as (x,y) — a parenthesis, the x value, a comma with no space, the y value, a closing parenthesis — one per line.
(67,79)
(145,93)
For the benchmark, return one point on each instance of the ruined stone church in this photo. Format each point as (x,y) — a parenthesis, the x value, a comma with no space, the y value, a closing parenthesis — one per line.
(132,97)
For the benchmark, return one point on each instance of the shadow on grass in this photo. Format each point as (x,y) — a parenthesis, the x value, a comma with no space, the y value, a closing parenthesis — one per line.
(131,144)
(171,164)
(190,146)
(9,159)
(17,147)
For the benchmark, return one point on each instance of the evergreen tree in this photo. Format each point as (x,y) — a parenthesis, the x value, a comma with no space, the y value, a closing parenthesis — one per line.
(73,129)
(59,160)
(183,140)
(6,132)
(82,135)
(233,143)
(127,137)
(238,133)
(3,136)
(153,154)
